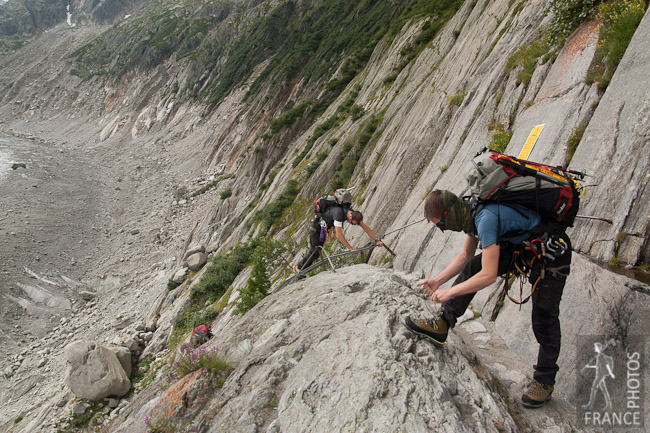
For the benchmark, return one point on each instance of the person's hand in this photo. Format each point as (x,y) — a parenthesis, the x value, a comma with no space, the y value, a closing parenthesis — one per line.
(429,286)
(441,296)
(379,243)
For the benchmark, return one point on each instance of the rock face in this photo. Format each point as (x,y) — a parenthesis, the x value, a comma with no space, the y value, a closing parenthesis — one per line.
(94,372)
(614,150)
(183,400)
(332,354)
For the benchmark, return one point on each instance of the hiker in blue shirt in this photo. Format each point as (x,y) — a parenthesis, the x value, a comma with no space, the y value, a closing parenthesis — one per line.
(501,230)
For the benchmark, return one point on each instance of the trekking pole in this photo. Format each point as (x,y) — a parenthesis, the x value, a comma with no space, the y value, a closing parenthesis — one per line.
(389,250)
(587,217)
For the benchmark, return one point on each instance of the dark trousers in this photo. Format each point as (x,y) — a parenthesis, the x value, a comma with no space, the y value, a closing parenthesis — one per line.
(546,306)
(314,243)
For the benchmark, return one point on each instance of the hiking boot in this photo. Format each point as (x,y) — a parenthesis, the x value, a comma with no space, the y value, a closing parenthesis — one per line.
(436,328)
(536,395)
(296,270)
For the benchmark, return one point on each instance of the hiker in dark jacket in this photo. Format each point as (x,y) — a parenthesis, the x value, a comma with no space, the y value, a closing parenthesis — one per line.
(333,217)
(501,230)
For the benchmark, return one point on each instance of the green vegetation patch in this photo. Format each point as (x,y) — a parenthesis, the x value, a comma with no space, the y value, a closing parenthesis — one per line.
(271,177)
(574,141)
(82,421)
(272,212)
(313,166)
(193,359)
(352,153)
(332,122)
(619,20)
(225,194)
(500,137)
(22,20)
(526,57)
(457,99)
(221,272)
(148,40)
(567,16)
(265,258)
(289,117)
(324,42)
(193,317)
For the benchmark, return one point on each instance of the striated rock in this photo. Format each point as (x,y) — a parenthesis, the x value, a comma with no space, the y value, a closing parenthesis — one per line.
(332,353)
(144,122)
(122,322)
(94,372)
(614,151)
(590,296)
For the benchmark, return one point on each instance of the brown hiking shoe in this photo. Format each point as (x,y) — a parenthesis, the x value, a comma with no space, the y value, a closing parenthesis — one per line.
(436,328)
(536,395)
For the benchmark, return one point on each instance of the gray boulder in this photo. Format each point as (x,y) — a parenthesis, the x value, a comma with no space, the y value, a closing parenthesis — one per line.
(212,247)
(196,261)
(194,250)
(94,372)
(180,275)
(87,295)
(124,356)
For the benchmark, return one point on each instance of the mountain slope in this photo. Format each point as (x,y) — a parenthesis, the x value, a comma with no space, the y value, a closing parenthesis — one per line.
(228,128)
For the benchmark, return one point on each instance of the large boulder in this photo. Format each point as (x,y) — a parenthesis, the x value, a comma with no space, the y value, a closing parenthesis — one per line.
(196,249)
(196,261)
(180,275)
(124,356)
(94,372)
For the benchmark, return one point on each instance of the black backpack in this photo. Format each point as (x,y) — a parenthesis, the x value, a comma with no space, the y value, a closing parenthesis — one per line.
(340,197)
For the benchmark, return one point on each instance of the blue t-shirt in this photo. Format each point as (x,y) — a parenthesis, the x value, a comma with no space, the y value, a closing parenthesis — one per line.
(508,219)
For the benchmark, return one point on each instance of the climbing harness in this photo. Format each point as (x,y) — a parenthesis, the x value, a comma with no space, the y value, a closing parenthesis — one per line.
(536,253)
